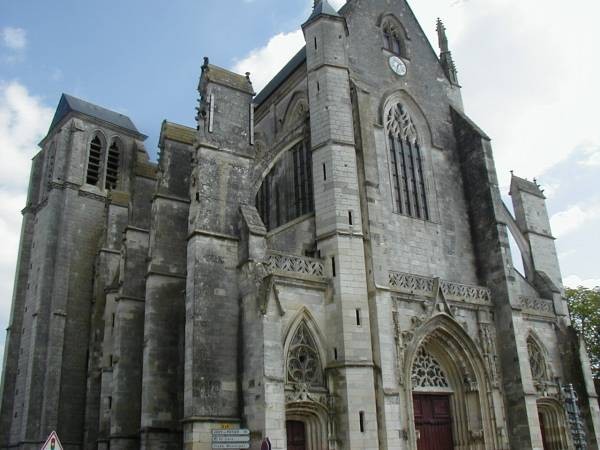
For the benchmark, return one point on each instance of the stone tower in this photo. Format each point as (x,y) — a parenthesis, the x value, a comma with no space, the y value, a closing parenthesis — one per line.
(322,266)
(84,157)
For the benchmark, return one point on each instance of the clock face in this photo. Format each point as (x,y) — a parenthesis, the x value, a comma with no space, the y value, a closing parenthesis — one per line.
(397,65)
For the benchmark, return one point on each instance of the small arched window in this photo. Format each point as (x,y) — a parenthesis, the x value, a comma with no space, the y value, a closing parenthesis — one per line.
(393,38)
(94,161)
(406,164)
(112,166)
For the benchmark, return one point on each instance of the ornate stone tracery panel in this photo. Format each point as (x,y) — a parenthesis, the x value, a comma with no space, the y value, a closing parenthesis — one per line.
(537,362)
(427,372)
(303,361)
(400,125)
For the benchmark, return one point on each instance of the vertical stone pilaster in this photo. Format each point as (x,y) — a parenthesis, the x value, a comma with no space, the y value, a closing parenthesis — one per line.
(339,227)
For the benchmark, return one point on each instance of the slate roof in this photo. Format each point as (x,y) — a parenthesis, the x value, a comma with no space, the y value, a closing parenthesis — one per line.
(323,7)
(287,70)
(68,104)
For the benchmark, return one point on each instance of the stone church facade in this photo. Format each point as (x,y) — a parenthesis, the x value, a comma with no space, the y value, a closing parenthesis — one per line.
(325,264)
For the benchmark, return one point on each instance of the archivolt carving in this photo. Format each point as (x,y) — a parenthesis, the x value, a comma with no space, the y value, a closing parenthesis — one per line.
(487,338)
(400,124)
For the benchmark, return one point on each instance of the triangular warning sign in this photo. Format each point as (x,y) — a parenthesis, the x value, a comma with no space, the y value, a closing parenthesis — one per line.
(52,443)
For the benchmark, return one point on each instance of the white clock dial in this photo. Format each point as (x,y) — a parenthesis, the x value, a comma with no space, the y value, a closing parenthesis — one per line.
(397,65)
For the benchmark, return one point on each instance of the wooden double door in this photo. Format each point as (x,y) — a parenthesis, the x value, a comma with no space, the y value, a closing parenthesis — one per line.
(433,422)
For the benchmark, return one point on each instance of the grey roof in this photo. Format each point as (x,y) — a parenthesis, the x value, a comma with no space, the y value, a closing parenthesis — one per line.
(288,69)
(69,104)
(323,7)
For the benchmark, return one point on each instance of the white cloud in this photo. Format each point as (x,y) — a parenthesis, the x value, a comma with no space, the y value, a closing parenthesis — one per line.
(575,217)
(263,63)
(24,121)
(592,157)
(14,38)
(573,281)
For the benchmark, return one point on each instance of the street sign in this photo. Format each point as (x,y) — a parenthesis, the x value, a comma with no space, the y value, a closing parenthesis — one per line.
(231,438)
(52,443)
(226,438)
(238,445)
(242,431)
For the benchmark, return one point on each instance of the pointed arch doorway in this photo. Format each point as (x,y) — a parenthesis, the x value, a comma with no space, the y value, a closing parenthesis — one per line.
(449,386)
(307,397)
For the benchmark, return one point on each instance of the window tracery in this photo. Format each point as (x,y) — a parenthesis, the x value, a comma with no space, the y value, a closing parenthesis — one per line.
(393,39)
(286,192)
(427,372)
(303,361)
(537,362)
(408,182)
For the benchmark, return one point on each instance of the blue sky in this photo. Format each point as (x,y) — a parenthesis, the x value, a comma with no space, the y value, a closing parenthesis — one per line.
(528,71)
(141,57)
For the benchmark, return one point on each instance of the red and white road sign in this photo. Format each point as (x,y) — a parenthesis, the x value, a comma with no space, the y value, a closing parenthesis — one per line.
(52,443)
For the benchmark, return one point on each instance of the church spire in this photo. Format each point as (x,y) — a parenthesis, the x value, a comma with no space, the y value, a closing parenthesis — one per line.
(446,54)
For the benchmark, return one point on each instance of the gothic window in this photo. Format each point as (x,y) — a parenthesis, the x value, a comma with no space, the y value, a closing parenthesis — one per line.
(112,166)
(406,164)
(393,39)
(427,372)
(287,191)
(94,161)
(537,362)
(303,361)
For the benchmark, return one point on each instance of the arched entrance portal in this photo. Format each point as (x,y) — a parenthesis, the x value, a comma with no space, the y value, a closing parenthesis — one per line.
(553,425)
(307,396)
(450,390)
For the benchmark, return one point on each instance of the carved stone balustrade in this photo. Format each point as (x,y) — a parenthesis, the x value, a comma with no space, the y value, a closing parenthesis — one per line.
(537,306)
(427,286)
(282,264)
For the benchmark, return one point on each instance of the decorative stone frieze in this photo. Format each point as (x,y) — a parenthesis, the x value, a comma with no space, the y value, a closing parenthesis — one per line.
(537,305)
(416,284)
(281,263)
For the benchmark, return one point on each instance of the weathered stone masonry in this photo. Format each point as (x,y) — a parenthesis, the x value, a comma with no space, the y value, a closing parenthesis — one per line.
(325,263)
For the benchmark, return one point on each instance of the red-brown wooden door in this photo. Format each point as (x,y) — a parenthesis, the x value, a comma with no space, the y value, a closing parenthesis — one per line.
(296,435)
(543,430)
(433,422)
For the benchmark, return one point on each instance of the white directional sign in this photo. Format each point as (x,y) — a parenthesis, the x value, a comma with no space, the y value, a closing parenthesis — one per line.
(52,443)
(231,438)
(228,438)
(239,445)
(242,431)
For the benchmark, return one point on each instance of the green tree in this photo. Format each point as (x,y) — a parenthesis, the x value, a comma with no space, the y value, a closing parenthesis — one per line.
(584,309)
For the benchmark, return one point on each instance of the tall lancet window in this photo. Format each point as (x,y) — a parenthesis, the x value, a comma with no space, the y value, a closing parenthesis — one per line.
(94,162)
(406,164)
(112,166)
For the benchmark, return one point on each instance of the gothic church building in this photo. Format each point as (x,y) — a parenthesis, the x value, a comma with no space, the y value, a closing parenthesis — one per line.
(325,264)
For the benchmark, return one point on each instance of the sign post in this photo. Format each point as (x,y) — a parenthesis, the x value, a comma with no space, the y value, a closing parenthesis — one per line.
(52,443)
(231,438)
